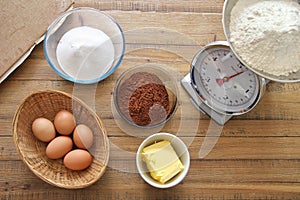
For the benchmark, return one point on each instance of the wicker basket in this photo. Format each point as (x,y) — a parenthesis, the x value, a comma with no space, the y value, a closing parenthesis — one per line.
(47,104)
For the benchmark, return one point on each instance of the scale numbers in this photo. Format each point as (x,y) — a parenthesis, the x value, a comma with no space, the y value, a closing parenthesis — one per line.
(222,81)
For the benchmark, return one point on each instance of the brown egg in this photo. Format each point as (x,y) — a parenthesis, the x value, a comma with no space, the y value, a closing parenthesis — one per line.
(78,159)
(59,147)
(64,122)
(83,136)
(43,129)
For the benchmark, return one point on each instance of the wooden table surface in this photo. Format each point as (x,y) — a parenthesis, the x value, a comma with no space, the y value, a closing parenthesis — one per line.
(256,157)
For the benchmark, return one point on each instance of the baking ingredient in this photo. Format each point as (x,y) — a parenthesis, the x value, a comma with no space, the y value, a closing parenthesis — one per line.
(43,129)
(83,136)
(62,146)
(143,99)
(59,147)
(64,122)
(78,159)
(162,161)
(85,53)
(149,104)
(266,34)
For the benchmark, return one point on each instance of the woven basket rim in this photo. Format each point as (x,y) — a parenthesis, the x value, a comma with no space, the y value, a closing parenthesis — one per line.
(37,173)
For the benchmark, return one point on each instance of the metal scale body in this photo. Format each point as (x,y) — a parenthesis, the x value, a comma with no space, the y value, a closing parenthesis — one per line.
(220,85)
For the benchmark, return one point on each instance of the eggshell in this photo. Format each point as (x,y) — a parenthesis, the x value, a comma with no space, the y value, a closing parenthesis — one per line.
(83,136)
(43,129)
(64,122)
(78,159)
(59,147)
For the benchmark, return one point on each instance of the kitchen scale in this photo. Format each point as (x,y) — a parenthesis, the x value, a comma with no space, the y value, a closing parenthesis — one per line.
(220,85)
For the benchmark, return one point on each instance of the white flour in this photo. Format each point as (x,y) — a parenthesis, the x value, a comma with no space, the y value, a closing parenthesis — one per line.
(85,53)
(266,34)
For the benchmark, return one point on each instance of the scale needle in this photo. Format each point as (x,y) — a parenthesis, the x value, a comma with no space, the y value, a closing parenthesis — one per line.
(221,81)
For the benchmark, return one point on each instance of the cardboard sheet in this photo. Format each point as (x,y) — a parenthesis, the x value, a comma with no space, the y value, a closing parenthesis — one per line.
(22,25)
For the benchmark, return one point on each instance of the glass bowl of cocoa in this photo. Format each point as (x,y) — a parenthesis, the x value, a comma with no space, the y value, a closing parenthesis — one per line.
(146,96)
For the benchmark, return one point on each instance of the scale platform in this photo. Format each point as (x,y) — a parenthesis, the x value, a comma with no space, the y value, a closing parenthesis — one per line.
(195,100)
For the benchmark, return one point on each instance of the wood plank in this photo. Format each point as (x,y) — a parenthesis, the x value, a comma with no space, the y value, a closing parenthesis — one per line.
(210,192)
(272,171)
(268,108)
(194,25)
(218,179)
(157,6)
(227,148)
(234,128)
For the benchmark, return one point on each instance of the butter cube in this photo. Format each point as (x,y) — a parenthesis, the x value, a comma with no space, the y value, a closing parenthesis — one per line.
(162,161)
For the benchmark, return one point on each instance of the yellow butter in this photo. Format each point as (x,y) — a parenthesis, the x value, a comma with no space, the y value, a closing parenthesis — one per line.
(162,161)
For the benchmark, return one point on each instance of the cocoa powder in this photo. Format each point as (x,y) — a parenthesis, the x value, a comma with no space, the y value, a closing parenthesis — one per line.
(143,99)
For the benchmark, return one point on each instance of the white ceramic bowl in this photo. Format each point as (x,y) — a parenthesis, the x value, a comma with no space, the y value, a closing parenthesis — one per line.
(181,150)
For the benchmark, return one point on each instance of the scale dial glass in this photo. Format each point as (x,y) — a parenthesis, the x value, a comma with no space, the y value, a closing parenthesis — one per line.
(223,82)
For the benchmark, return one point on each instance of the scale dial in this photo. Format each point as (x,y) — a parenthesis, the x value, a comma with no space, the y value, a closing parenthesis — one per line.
(222,81)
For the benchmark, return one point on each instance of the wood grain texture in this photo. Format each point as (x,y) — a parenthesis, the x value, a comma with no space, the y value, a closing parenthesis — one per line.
(203,6)
(256,157)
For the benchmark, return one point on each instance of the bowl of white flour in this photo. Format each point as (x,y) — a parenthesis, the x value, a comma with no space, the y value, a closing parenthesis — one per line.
(84,45)
(265,36)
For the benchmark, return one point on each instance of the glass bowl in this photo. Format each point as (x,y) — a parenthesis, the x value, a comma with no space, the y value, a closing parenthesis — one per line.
(84,45)
(145,96)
